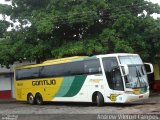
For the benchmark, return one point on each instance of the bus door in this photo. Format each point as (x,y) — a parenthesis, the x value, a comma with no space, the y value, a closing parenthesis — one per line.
(113,75)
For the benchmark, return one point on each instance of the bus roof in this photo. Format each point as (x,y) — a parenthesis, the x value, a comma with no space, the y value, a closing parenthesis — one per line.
(71,59)
(63,60)
(55,61)
(115,55)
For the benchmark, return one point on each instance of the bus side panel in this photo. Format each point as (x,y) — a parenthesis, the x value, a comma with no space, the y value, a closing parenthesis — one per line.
(51,90)
(46,87)
(70,87)
(23,87)
(79,88)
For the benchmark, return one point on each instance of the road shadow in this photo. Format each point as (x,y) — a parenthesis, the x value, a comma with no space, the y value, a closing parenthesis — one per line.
(151,101)
(85,104)
(78,104)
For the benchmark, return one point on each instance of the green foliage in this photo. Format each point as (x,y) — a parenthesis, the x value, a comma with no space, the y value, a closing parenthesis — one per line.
(61,28)
(3,27)
(82,47)
(5,9)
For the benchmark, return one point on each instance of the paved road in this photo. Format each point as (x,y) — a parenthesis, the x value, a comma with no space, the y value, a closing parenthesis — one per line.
(77,111)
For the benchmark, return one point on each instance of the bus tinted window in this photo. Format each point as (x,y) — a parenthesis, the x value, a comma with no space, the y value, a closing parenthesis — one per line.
(53,70)
(92,66)
(75,68)
(66,69)
(27,73)
(57,70)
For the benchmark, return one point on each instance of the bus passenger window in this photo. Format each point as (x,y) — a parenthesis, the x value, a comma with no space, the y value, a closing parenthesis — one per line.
(92,67)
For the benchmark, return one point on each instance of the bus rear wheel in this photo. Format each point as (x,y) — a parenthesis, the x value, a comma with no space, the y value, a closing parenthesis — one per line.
(99,99)
(39,99)
(30,99)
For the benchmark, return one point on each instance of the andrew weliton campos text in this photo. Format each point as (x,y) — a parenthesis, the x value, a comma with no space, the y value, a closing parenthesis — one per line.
(128,117)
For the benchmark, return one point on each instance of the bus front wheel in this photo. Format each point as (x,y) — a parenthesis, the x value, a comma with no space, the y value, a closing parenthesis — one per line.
(30,99)
(39,99)
(99,99)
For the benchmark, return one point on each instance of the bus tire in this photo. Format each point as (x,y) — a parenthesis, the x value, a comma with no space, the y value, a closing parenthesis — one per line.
(30,99)
(39,99)
(99,99)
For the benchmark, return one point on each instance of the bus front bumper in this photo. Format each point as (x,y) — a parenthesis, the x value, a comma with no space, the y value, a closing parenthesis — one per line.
(132,97)
(127,98)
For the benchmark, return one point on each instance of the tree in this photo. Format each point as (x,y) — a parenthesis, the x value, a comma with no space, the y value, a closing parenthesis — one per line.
(3,27)
(60,28)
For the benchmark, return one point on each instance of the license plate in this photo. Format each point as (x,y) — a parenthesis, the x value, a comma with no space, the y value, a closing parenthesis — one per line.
(141,96)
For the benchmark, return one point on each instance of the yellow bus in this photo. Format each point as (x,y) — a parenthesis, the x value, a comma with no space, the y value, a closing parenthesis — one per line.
(109,78)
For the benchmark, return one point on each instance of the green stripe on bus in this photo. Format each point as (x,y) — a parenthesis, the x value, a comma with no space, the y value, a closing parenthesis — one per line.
(65,86)
(76,86)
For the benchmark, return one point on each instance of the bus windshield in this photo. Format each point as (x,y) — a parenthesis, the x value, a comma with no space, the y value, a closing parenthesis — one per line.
(137,77)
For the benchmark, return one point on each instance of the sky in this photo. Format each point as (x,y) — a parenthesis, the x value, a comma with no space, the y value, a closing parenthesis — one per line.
(3,2)
(155,1)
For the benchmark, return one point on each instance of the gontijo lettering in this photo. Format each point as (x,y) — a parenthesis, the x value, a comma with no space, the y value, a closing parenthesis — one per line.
(43,82)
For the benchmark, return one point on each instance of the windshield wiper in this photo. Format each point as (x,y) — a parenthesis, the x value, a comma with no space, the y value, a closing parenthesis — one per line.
(140,78)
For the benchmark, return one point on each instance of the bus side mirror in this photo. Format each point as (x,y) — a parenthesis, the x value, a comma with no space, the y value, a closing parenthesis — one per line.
(149,68)
(125,70)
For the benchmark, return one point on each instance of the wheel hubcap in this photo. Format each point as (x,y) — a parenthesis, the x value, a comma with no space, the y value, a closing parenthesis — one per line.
(97,99)
(38,100)
(30,98)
